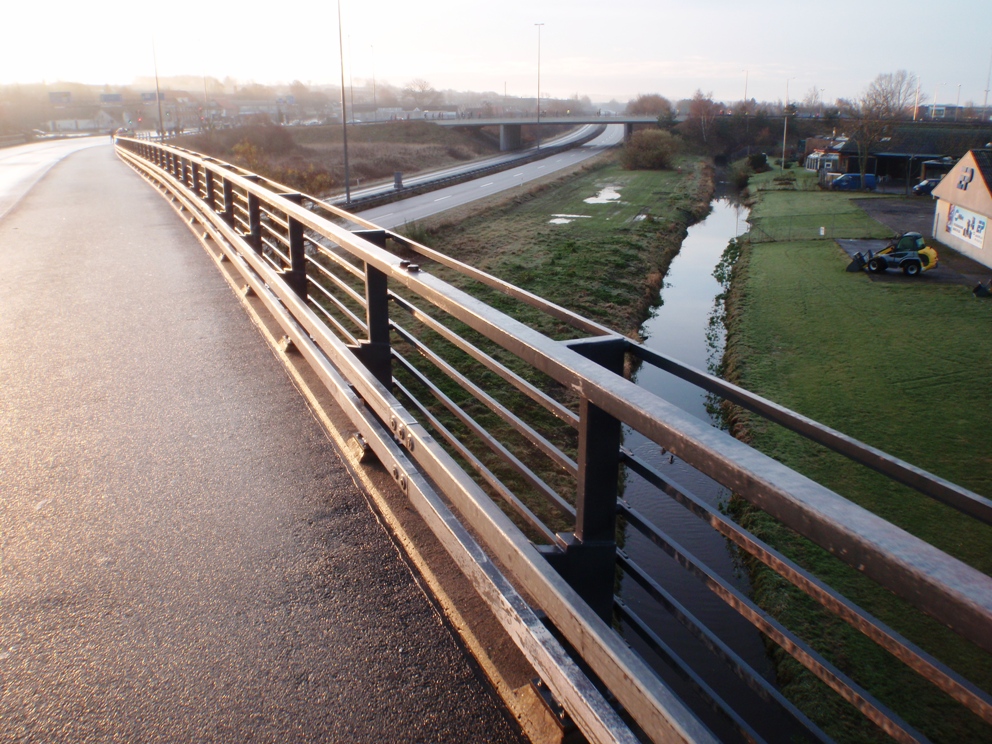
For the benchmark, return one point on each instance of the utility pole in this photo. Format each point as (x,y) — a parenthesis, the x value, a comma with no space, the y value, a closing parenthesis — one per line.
(158,94)
(785,119)
(538,84)
(988,78)
(344,113)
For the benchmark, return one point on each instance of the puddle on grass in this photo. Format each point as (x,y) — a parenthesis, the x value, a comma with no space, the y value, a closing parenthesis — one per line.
(564,219)
(606,195)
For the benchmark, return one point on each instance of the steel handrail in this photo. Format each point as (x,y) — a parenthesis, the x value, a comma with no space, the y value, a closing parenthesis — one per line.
(953,592)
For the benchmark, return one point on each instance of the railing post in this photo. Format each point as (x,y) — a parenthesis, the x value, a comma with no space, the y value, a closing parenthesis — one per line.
(375,353)
(184,170)
(195,168)
(296,274)
(208,187)
(589,563)
(254,218)
(228,202)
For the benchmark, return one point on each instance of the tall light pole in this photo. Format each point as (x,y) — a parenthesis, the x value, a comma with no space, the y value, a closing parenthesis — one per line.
(985,106)
(375,102)
(785,119)
(158,94)
(916,106)
(957,104)
(933,106)
(538,84)
(344,113)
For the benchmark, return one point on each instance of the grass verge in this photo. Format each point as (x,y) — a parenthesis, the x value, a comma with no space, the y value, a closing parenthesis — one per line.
(900,366)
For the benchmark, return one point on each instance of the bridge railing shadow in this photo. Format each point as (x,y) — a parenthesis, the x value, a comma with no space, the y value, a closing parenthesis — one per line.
(481,397)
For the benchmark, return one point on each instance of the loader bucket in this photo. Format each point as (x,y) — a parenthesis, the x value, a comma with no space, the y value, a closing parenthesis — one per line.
(857,263)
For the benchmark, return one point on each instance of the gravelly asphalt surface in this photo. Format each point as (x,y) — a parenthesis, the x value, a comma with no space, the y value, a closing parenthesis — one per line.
(182,555)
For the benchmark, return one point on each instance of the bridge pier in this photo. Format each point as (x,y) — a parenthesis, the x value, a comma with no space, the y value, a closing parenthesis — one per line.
(510,137)
(628,131)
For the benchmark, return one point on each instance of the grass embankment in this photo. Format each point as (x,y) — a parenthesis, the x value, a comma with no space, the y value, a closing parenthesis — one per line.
(606,263)
(312,158)
(901,366)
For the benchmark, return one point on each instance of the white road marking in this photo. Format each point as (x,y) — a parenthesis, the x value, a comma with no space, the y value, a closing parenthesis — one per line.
(443,198)
(486,184)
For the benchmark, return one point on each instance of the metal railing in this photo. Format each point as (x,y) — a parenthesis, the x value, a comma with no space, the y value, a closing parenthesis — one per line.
(526,408)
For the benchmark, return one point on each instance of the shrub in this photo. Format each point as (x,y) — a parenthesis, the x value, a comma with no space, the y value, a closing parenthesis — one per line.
(758,162)
(650,149)
(740,173)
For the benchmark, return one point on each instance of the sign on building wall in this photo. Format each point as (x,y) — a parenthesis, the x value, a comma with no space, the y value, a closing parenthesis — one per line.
(966,225)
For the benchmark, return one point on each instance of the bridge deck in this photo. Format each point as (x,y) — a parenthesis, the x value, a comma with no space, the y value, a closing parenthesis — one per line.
(184,557)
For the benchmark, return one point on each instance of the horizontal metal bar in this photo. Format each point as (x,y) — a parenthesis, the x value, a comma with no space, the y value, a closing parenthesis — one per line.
(495,445)
(798,649)
(741,669)
(476,464)
(532,436)
(942,490)
(538,396)
(342,308)
(338,282)
(680,667)
(336,325)
(936,672)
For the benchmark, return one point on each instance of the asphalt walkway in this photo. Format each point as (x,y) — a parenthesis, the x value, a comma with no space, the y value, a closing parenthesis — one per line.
(183,557)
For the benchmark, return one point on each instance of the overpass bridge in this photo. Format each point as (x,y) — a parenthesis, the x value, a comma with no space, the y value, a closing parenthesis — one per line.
(508,443)
(510,127)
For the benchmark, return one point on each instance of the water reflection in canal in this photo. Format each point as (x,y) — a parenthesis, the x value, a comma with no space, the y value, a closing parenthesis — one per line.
(682,326)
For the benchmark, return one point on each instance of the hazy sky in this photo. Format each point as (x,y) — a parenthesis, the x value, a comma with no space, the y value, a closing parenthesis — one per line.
(601,49)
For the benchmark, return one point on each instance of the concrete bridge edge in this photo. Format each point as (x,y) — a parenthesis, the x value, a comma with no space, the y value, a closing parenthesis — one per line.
(442,582)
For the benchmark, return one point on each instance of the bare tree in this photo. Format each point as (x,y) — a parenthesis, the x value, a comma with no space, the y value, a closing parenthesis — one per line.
(812,99)
(889,97)
(702,112)
(421,93)
(893,94)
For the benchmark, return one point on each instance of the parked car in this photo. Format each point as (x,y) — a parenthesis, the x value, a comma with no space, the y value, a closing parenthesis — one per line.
(852,182)
(925,186)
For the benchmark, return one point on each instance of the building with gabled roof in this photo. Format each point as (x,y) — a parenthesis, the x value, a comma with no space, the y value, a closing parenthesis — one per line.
(964,206)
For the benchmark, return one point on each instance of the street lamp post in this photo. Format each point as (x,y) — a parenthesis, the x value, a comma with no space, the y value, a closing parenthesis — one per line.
(344,113)
(747,122)
(538,84)
(957,104)
(158,94)
(375,102)
(933,106)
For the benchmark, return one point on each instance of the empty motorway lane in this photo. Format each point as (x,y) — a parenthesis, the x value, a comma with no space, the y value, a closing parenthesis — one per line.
(182,555)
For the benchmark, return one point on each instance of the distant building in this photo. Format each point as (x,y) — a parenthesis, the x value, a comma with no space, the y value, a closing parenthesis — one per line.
(964,206)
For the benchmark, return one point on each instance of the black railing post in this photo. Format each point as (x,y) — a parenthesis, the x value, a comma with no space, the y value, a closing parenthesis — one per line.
(208,185)
(296,274)
(195,168)
(254,218)
(590,557)
(375,353)
(184,170)
(228,202)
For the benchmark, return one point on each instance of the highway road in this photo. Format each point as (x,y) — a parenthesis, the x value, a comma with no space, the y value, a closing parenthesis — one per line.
(418,207)
(183,557)
(454,170)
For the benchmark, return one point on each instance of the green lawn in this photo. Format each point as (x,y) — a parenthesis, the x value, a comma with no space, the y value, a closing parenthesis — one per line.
(902,366)
(566,263)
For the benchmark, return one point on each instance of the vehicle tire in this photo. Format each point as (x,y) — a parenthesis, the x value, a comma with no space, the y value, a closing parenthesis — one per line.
(911,268)
(876,265)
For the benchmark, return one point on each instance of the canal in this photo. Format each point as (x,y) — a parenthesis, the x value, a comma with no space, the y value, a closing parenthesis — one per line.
(687,324)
